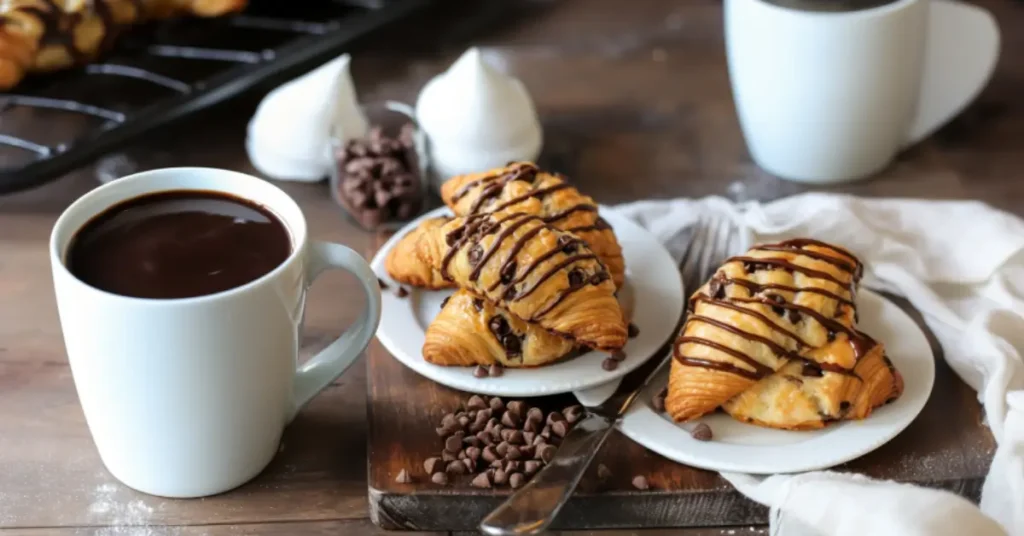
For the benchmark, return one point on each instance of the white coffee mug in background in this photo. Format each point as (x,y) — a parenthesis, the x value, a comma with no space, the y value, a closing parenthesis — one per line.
(188,397)
(826,96)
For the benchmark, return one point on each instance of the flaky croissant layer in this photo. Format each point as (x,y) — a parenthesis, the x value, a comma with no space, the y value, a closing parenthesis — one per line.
(771,338)
(535,272)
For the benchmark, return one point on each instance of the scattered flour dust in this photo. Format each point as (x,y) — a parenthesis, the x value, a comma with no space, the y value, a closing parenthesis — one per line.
(122,517)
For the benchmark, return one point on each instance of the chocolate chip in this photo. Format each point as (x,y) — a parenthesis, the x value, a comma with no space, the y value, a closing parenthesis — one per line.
(502,448)
(472,441)
(516,480)
(442,431)
(527,451)
(517,407)
(559,428)
(831,335)
(476,402)
(794,316)
(511,419)
(508,272)
(478,304)
(480,372)
(633,330)
(545,453)
(554,417)
(433,465)
(513,453)
(463,421)
(439,478)
(448,421)
(500,476)
(609,364)
(701,432)
(497,404)
(603,472)
(506,434)
(812,370)
(382,284)
(456,468)
(577,278)
(530,426)
(511,465)
(546,432)
(453,443)
(496,370)
(499,326)
(401,292)
(538,441)
(535,415)
(448,456)
(516,438)
(470,464)
(598,278)
(530,467)
(568,244)
(497,464)
(445,301)
(844,405)
(716,289)
(640,483)
(489,454)
(619,355)
(573,413)
(474,255)
(512,344)
(658,402)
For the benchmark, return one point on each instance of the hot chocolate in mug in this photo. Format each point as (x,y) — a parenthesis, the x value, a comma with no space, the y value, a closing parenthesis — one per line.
(830,90)
(186,397)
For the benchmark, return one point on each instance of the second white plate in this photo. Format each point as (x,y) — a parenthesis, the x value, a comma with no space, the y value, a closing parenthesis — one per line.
(654,293)
(747,448)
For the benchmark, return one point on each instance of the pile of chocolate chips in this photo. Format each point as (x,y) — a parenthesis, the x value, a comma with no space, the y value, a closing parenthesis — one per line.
(492,443)
(379,178)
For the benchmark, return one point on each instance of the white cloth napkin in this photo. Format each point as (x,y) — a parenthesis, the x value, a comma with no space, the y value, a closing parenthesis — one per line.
(961,264)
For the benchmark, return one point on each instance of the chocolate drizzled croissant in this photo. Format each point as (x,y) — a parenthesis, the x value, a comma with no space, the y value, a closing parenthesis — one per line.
(771,338)
(523,187)
(537,273)
(50,35)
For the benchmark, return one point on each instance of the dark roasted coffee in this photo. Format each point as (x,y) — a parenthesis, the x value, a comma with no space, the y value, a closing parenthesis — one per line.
(831,5)
(178,244)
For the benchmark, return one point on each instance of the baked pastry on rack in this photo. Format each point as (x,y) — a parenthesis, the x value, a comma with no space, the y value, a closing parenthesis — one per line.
(533,271)
(772,339)
(523,187)
(50,35)
(472,331)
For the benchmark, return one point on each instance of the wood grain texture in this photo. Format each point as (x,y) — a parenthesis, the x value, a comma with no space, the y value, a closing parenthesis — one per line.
(635,103)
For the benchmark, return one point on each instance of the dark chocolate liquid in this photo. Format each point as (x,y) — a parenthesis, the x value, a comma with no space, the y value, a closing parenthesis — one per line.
(831,5)
(178,244)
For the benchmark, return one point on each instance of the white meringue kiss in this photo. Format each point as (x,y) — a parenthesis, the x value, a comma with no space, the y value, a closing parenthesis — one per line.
(289,136)
(477,118)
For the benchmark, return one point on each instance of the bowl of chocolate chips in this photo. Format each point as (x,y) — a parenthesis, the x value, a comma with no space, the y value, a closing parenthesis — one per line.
(379,179)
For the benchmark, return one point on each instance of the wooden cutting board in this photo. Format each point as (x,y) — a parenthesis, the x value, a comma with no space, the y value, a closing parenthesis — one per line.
(945,447)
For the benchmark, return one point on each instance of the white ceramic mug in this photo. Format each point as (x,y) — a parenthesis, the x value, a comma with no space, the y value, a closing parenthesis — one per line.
(188,397)
(832,96)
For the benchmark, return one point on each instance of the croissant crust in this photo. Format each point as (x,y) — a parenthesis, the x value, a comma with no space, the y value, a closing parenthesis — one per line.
(771,338)
(523,187)
(533,271)
(405,266)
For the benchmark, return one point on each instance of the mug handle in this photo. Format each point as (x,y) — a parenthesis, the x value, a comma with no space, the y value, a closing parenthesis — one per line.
(323,368)
(960,56)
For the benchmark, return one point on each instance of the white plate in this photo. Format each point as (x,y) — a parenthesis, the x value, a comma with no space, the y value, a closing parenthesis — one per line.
(752,449)
(653,291)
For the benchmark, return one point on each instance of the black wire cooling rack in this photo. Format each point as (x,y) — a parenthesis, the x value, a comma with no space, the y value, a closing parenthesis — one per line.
(53,124)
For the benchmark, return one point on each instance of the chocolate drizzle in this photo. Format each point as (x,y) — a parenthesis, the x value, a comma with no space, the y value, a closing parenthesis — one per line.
(859,342)
(582,207)
(476,227)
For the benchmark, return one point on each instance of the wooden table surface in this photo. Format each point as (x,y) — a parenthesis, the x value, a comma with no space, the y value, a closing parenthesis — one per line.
(635,104)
